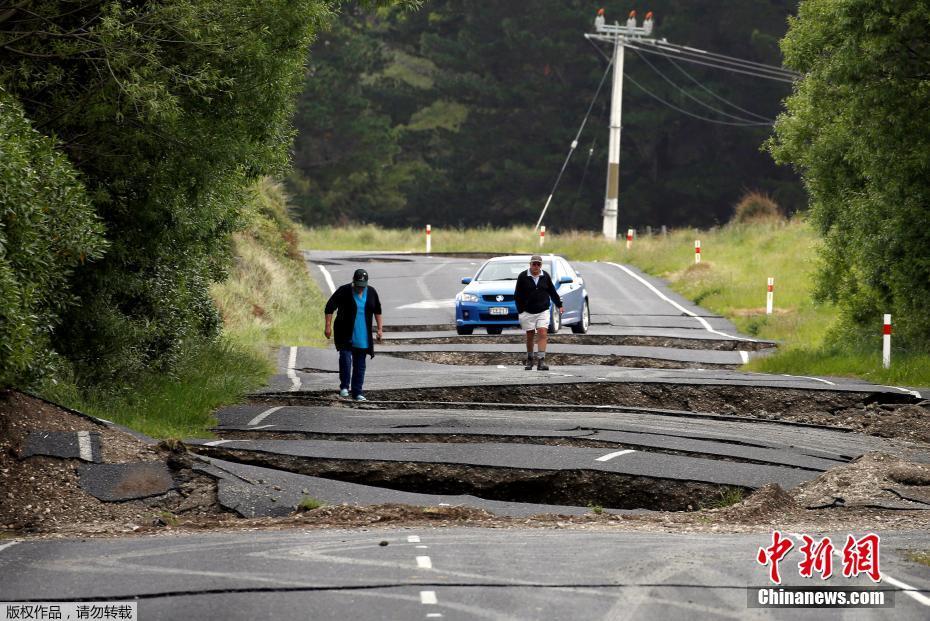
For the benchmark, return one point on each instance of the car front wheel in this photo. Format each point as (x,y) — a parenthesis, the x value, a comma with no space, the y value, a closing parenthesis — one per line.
(464,330)
(555,320)
(582,326)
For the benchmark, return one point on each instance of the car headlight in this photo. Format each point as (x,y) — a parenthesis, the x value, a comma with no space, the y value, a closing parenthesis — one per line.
(467,297)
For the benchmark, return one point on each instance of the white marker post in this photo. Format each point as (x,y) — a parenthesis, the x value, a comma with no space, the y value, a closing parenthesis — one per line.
(429,240)
(886,343)
(697,250)
(629,238)
(542,235)
(770,296)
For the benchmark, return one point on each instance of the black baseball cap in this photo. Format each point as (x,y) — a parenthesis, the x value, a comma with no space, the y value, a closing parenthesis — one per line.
(360,278)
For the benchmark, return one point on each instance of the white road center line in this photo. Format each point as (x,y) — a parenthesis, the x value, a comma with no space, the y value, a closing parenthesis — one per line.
(610,456)
(84,447)
(216,442)
(4,546)
(816,379)
(329,279)
(424,562)
(422,547)
(744,356)
(413,539)
(906,588)
(665,298)
(428,597)
(264,415)
(291,372)
(433,615)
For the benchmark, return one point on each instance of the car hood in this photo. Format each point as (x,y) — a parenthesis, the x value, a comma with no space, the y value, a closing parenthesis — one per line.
(492,287)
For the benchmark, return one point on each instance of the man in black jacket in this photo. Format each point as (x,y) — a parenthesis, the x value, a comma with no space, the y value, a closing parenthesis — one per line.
(354,304)
(532,294)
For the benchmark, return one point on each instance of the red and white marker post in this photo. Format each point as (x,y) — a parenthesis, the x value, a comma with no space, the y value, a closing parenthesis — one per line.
(770,296)
(886,343)
(429,239)
(629,238)
(697,251)
(542,235)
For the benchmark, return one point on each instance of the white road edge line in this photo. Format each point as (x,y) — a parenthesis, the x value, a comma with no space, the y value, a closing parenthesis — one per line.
(744,356)
(906,588)
(424,562)
(413,539)
(816,379)
(216,442)
(428,597)
(664,297)
(264,415)
(84,448)
(329,279)
(610,456)
(907,390)
(4,546)
(291,373)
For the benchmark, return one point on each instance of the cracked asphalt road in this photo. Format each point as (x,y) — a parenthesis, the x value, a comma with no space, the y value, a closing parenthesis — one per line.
(480,424)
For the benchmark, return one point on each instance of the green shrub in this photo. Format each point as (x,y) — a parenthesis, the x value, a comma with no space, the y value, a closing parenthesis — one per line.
(47,228)
(756,207)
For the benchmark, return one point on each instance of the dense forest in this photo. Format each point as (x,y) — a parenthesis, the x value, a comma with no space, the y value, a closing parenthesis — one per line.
(461,113)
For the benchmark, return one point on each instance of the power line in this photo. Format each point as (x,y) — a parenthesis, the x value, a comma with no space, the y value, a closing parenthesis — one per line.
(712,93)
(574,144)
(695,99)
(691,114)
(707,63)
(722,58)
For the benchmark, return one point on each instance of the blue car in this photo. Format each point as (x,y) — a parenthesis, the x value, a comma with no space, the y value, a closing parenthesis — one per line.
(487,301)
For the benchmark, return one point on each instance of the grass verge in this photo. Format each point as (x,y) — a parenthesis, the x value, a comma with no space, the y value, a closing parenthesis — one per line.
(731,280)
(268,300)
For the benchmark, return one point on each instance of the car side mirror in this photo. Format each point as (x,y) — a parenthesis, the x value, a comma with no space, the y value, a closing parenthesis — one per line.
(564,280)
(466,280)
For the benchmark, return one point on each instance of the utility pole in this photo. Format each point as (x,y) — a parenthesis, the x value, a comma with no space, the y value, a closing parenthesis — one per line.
(618,35)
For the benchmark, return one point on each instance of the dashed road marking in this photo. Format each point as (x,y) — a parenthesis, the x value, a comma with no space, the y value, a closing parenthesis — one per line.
(329,279)
(263,427)
(413,539)
(216,442)
(84,448)
(264,415)
(433,615)
(424,562)
(744,356)
(665,298)
(422,547)
(291,372)
(428,597)
(610,456)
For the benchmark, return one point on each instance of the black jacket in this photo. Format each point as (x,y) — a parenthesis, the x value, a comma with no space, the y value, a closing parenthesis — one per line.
(342,302)
(534,298)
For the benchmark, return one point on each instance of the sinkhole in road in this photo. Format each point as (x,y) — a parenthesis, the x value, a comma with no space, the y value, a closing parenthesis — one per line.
(581,339)
(577,488)
(553,358)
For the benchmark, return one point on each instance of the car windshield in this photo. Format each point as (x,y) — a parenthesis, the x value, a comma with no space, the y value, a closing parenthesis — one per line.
(507,270)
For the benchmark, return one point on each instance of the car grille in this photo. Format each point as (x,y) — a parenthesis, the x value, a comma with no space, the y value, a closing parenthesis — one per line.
(493,298)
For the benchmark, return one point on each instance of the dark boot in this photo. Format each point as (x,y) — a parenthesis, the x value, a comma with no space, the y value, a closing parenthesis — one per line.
(529,363)
(542,366)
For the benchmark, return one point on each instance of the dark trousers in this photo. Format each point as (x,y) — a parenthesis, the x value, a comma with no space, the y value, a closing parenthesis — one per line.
(352,370)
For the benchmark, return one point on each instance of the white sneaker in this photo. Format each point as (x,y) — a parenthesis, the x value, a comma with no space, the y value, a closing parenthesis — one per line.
(344,393)
(360,398)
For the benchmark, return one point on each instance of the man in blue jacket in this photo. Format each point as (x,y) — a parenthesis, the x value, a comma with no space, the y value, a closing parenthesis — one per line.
(354,305)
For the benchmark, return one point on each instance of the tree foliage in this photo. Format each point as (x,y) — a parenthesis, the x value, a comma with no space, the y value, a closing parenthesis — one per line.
(167,109)
(47,229)
(466,110)
(857,127)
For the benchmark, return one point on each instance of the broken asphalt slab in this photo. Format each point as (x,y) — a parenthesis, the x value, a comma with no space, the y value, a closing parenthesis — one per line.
(119,482)
(83,445)
(253,491)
